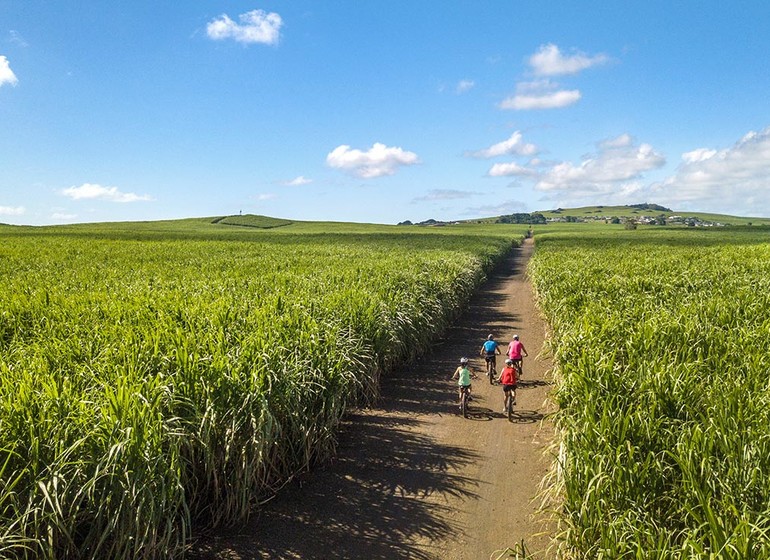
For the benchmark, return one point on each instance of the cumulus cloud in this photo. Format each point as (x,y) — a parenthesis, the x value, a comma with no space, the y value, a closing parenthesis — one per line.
(63,216)
(464,85)
(6,74)
(256,26)
(545,100)
(90,191)
(377,161)
(543,93)
(615,168)
(511,169)
(499,209)
(550,61)
(298,181)
(514,145)
(12,210)
(737,175)
(17,39)
(444,194)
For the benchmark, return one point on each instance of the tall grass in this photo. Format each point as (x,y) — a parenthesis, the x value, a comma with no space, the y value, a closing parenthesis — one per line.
(155,380)
(661,342)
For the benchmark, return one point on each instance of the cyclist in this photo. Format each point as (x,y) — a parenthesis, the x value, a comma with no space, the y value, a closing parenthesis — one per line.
(489,349)
(508,381)
(463,374)
(515,351)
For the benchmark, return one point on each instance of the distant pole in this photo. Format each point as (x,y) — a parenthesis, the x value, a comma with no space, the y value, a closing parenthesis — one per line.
(240,212)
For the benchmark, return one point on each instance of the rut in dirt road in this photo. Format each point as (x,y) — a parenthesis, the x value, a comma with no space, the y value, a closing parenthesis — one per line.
(412,478)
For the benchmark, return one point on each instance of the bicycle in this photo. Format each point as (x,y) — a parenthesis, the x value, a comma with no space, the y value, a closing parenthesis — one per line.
(489,350)
(509,379)
(464,397)
(491,368)
(509,404)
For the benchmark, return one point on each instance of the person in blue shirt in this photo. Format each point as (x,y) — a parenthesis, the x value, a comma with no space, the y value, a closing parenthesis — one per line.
(489,350)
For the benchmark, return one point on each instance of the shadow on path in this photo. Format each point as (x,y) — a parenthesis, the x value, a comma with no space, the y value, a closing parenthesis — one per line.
(370,502)
(365,504)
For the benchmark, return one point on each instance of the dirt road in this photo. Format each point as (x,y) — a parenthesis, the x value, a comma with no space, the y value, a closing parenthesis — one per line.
(413,479)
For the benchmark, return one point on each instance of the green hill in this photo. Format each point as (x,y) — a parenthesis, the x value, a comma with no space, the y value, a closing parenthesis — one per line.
(638,212)
(252,220)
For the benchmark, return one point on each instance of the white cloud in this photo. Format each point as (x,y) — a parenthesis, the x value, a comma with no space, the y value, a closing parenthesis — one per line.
(622,141)
(549,61)
(547,100)
(614,170)
(737,177)
(512,146)
(17,39)
(543,93)
(298,181)
(377,161)
(444,194)
(256,26)
(6,74)
(503,208)
(265,196)
(89,191)
(701,154)
(63,216)
(464,85)
(511,169)
(12,210)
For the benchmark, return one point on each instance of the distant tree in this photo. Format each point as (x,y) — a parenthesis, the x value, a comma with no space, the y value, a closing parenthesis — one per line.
(521,218)
(661,220)
(405,223)
(648,206)
(615,220)
(571,219)
(630,224)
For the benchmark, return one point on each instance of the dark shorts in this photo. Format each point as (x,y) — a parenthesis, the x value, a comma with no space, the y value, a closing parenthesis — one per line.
(489,358)
(509,388)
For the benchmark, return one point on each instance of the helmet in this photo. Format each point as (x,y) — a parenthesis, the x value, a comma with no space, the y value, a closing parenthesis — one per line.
(515,337)
(490,337)
(509,362)
(463,360)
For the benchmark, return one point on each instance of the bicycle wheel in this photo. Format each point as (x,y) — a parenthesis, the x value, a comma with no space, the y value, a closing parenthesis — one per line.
(510,409)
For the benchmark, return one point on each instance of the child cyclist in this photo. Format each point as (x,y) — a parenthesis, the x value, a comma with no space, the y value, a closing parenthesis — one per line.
(508,380)
(463,374)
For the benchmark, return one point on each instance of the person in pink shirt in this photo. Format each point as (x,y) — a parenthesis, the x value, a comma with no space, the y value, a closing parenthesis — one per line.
(516,351)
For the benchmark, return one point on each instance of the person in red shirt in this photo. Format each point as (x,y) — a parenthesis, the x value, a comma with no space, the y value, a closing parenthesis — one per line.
(508,381)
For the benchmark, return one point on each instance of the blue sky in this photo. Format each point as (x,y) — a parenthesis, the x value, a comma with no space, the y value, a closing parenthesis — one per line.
(380,111)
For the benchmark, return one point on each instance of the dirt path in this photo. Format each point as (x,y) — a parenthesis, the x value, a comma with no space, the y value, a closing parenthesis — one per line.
(412,478)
